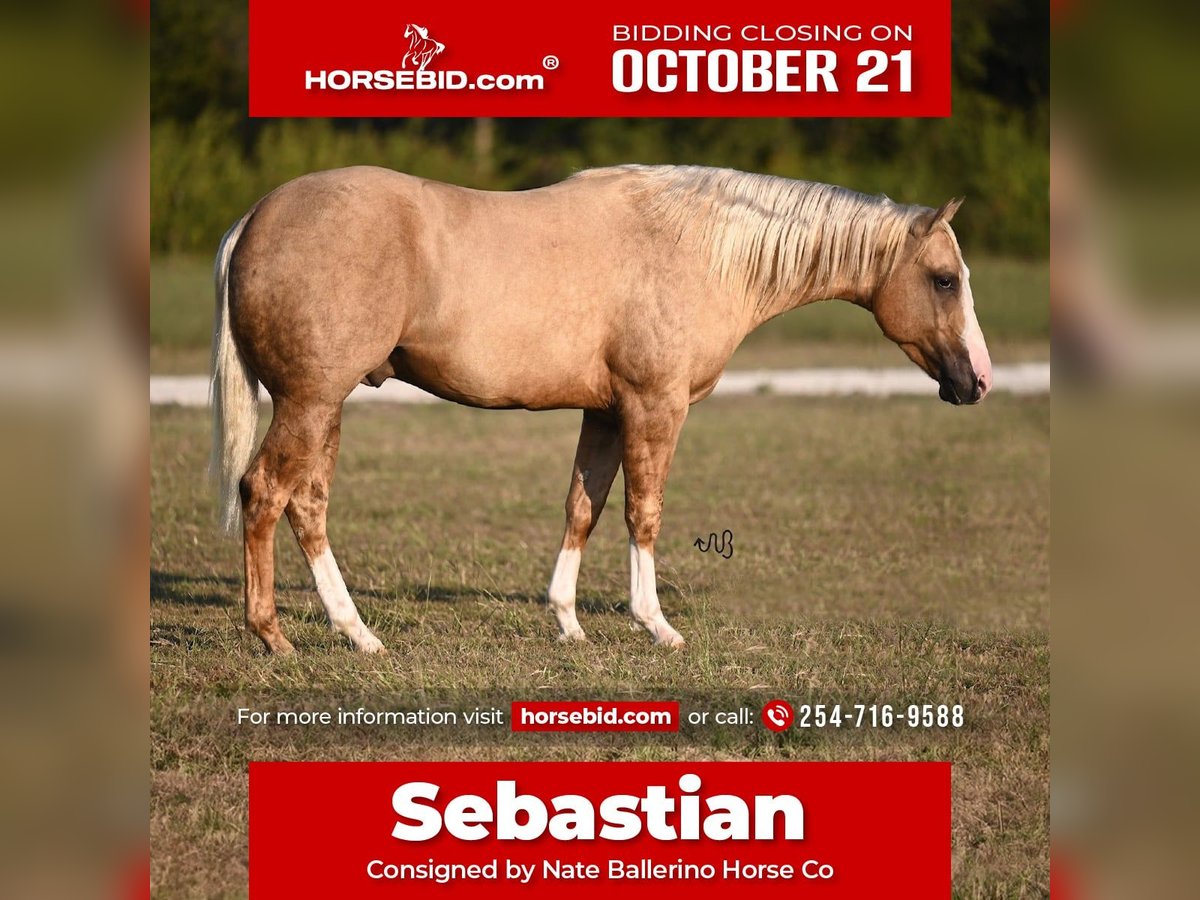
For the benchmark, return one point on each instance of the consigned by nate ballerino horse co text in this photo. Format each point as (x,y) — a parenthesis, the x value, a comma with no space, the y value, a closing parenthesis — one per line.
(511,816)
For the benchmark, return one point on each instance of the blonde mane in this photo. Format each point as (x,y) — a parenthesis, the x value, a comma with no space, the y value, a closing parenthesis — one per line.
(766,236)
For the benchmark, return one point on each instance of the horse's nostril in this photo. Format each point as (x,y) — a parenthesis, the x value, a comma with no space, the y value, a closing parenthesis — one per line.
(981,388)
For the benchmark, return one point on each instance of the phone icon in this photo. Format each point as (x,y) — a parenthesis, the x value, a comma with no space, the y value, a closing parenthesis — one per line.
(777,715)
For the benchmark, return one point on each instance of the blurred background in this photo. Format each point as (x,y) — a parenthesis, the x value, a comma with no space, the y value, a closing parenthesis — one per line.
(1126,313)
(74,249)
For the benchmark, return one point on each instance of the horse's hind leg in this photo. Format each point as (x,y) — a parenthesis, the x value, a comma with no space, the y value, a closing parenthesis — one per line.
(596,462)
(288,453)
(306,512)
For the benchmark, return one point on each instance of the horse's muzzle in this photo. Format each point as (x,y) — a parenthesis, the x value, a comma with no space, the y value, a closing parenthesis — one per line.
(963,391)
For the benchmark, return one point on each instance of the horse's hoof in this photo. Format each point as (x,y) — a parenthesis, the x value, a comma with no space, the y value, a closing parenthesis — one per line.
(674,640)
(572,637)
(371,645)
(361,637)
(275,643)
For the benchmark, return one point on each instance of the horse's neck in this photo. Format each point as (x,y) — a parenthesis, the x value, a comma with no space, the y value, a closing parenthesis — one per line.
(770,306)
(851,277)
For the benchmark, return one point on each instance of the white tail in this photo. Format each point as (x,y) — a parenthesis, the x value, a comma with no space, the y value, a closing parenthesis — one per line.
(234,394)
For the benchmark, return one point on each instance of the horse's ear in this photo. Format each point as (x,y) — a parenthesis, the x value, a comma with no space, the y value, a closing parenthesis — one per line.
(944,213)
(947,210)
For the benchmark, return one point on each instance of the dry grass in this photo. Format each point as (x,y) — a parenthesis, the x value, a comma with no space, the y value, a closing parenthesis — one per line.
(886,551)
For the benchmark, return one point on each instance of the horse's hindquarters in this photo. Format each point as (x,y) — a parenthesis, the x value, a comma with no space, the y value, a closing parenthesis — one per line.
(316,295)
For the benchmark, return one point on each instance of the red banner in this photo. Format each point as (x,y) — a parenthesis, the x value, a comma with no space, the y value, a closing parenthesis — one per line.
(535,829)
(383,58)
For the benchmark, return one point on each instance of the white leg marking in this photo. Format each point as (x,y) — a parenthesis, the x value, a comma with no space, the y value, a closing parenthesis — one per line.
(562,594)
(343,615)
(643,598)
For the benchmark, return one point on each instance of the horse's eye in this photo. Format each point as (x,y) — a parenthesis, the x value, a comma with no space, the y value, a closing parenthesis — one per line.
(943,283)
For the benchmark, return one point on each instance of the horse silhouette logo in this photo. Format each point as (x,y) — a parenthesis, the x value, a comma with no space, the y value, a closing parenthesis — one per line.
(421,47)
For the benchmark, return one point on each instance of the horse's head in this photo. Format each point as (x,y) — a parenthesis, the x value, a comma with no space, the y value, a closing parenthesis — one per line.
(926,307)
(410,30)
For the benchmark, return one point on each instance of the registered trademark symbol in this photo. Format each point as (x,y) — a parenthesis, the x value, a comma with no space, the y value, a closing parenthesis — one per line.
(550,62)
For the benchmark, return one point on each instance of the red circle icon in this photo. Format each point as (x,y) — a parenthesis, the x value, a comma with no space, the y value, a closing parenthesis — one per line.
(778,715)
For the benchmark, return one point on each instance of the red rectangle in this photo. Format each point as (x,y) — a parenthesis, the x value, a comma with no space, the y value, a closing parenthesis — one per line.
(831,830)
(854,58)
(594,715)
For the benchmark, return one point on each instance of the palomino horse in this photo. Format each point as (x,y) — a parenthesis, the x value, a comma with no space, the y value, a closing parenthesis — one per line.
(621,292)
(421,48)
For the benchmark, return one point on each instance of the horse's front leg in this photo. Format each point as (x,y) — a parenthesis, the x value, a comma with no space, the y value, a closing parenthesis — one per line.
(650,428)
(596,462)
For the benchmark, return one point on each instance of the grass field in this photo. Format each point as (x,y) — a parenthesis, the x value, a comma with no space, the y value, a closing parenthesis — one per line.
(1011,296)
(886,551)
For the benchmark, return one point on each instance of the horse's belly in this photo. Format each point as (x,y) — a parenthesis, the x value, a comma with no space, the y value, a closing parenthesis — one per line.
(489,383)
